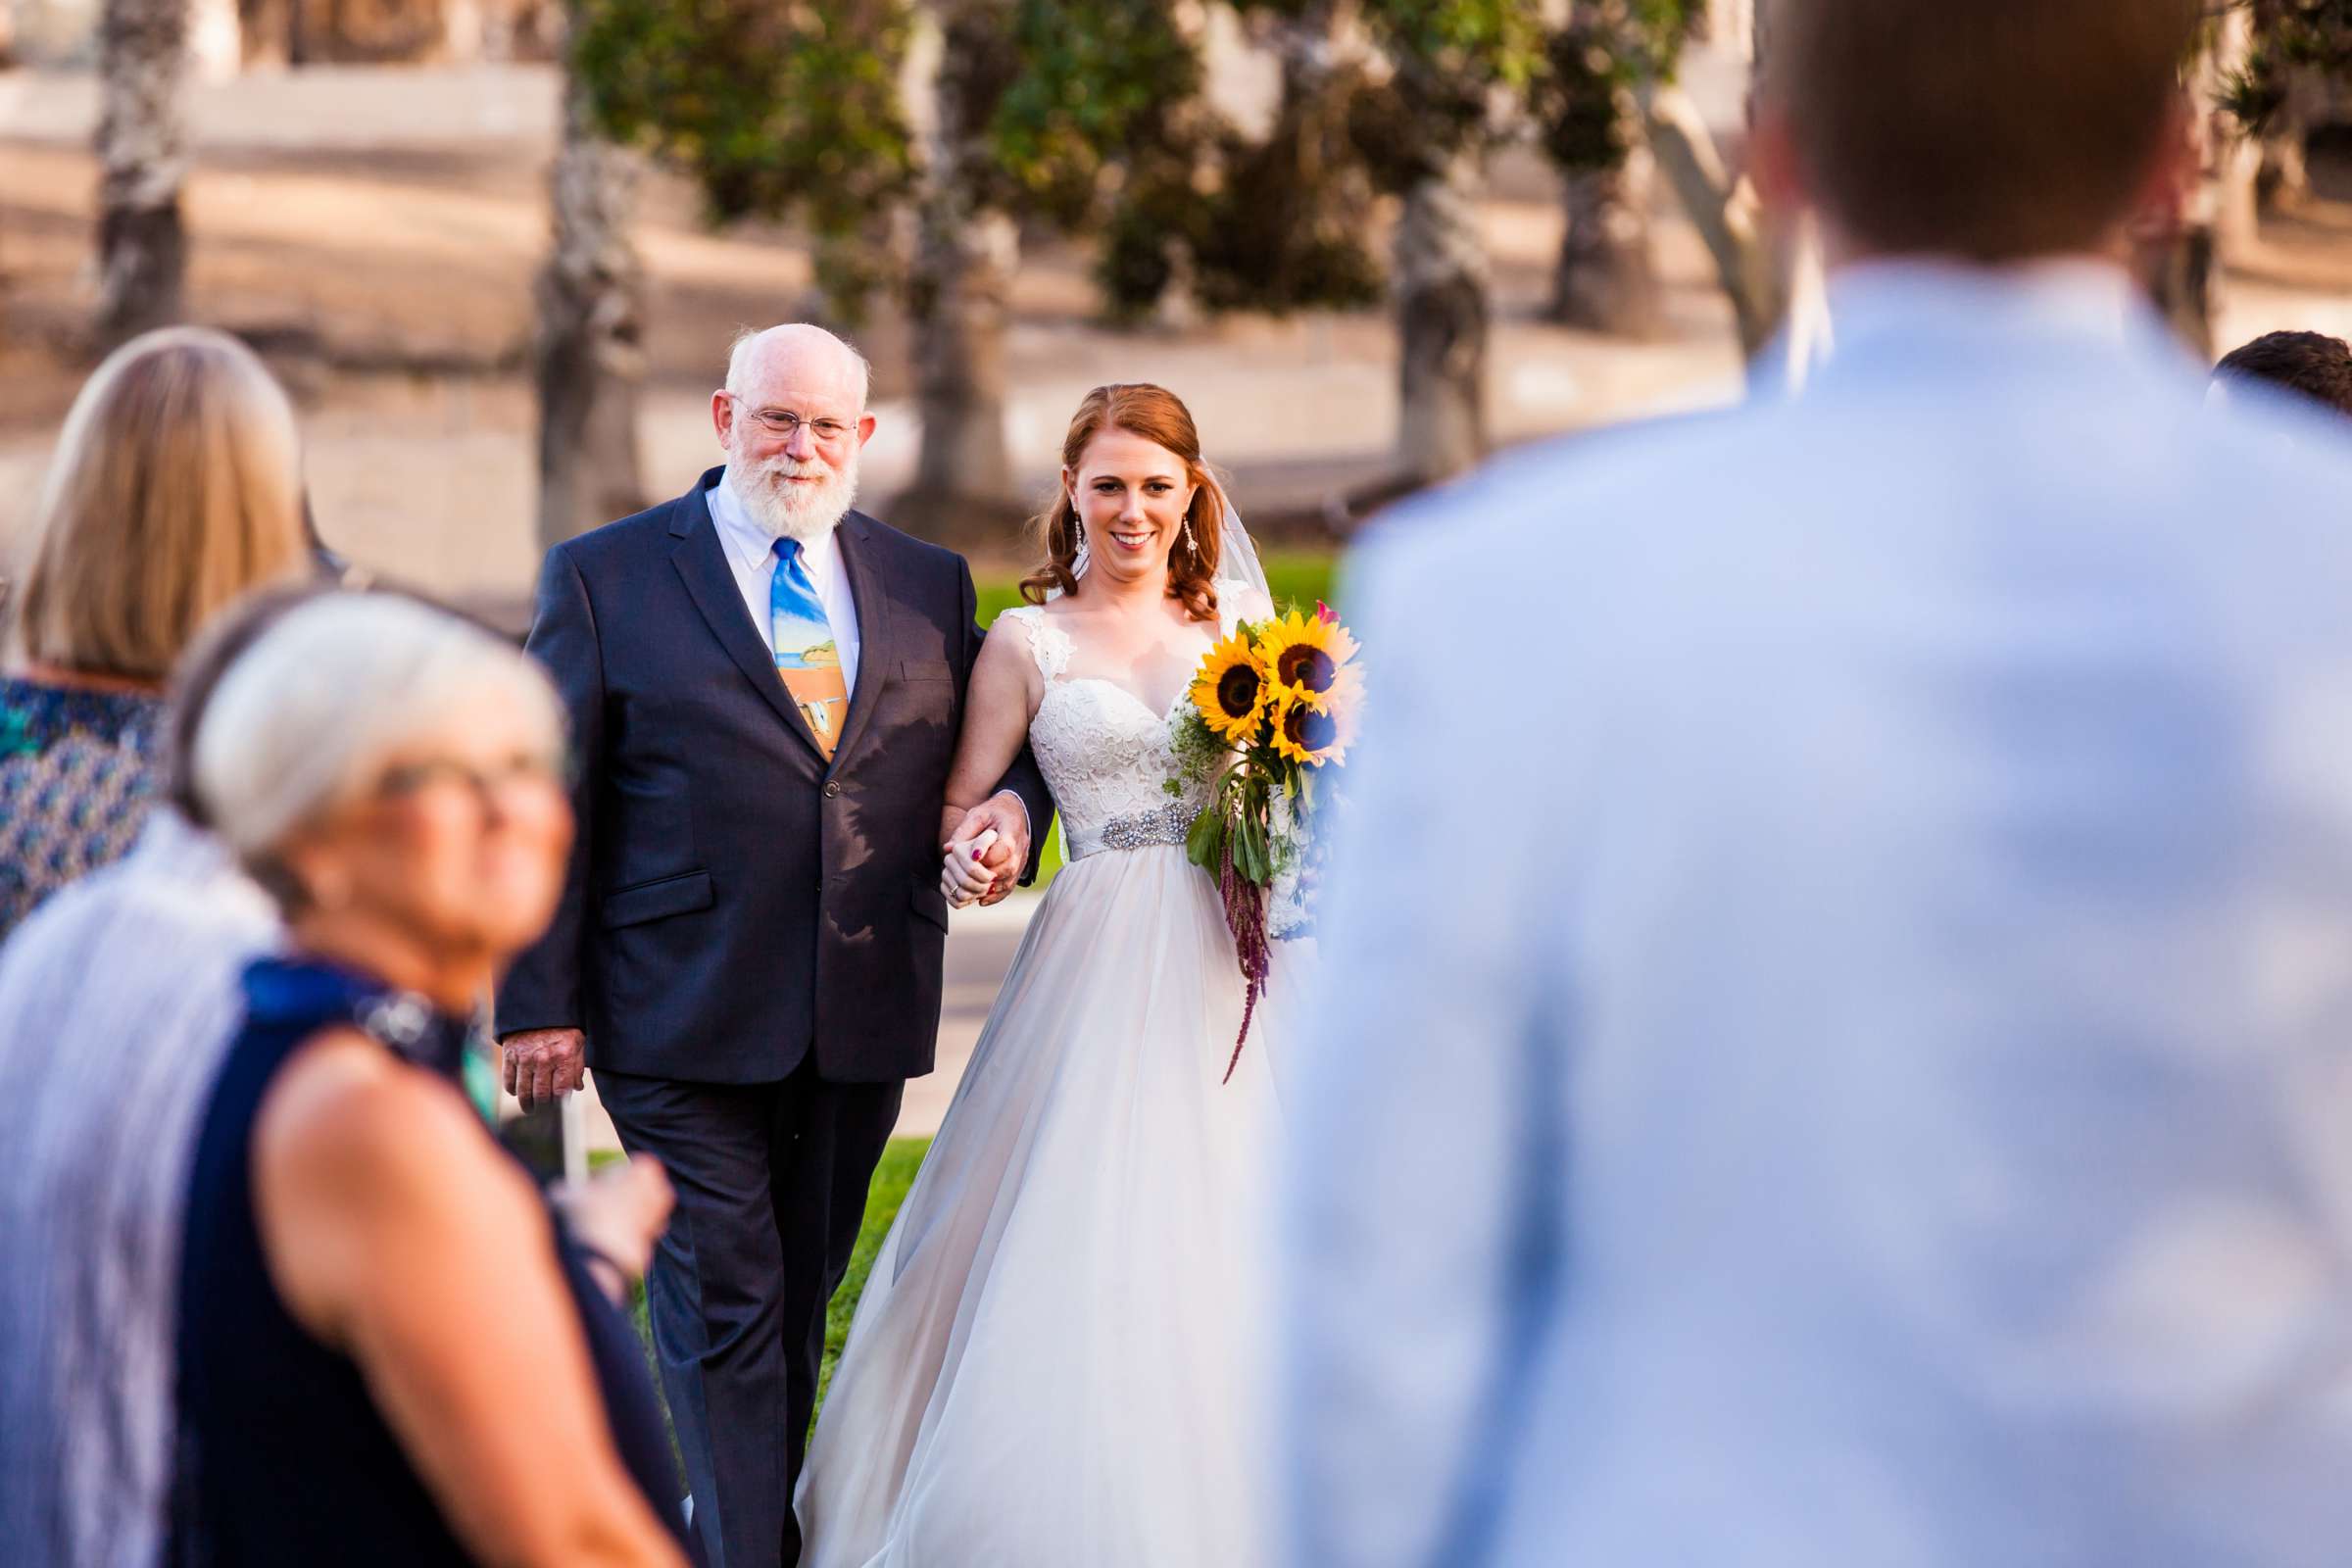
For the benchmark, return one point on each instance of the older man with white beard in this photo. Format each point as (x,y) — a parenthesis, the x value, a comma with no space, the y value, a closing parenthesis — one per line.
(764,688)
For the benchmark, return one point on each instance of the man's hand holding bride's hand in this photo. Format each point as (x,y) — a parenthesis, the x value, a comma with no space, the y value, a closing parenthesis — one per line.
(1003,814)
(963,878)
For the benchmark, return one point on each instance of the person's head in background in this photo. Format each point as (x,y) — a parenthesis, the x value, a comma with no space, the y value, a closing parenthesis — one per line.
(1993,132)
(175,488)
(197,675)
(2312,364)
(390,772)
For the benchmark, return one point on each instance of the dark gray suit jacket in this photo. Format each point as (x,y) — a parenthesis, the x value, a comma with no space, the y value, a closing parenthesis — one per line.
(733,902)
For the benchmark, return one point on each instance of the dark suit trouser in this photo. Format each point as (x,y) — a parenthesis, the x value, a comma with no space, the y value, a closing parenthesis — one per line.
(771,1182)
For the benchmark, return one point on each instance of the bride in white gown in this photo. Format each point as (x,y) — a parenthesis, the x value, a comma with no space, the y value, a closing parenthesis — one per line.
(1053,1363)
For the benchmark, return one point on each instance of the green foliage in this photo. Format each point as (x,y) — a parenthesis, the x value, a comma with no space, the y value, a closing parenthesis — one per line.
(771,108)
(1075,112)
(1282,225)
(2289,35)
(1100,84)
(1453,60)
(1285,229)
(1089,114)
(1607,51)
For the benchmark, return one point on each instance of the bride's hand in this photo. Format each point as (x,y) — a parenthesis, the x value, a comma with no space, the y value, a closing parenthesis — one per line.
(964,878)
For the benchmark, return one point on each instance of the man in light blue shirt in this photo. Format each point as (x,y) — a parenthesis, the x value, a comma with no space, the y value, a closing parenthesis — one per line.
(1837,1049)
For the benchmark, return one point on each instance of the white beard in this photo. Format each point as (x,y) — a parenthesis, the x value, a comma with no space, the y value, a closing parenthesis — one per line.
(789,510)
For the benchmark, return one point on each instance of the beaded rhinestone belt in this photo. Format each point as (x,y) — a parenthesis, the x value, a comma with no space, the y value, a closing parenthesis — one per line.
(1165,824)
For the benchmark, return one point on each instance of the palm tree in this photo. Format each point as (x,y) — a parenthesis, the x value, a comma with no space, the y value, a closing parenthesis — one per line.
(142,161)
(591,331)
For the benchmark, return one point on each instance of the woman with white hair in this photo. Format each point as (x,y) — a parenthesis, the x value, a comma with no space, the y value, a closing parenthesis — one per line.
(389,1351)
(175,489)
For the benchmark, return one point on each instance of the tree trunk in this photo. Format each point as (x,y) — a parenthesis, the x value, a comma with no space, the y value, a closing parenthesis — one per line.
(2285,179)
(143,160)
(963,276)
(591,332)
(959,299)
(1441,315)
(1607,278)
(1727,213)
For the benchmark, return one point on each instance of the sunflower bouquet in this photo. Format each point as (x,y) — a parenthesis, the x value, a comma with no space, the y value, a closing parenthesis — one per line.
(1273,705)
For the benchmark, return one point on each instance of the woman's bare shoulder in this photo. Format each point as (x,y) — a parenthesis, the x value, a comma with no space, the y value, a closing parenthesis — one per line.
(348,1114)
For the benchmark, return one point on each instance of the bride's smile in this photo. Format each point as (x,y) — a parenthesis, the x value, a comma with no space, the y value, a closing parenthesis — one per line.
(1131,495)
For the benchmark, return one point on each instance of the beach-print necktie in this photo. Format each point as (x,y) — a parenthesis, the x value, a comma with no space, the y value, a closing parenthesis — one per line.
(806,657)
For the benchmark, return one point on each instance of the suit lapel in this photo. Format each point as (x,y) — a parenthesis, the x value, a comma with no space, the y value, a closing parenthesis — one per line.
(860,549)
(702,561)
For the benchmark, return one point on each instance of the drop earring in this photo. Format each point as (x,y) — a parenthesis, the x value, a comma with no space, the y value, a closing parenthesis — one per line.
(1192,545)
(1078,561)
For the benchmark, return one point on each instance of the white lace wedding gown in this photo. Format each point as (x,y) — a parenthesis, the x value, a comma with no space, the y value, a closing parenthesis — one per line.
(1053,1363)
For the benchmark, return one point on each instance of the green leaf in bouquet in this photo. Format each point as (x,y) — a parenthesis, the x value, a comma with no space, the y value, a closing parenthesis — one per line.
(1253,853)
(1204,844)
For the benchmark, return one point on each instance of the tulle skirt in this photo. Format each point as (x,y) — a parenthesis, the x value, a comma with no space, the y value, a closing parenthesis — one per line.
(1057,1361)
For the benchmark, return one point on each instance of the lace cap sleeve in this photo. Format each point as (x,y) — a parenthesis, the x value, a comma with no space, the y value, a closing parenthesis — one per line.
(1047,643)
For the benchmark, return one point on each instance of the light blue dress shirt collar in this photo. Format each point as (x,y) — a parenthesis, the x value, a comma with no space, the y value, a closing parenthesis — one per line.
(1896,317)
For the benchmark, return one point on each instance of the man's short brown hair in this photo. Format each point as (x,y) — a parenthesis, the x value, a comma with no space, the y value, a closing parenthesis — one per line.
(1993,131)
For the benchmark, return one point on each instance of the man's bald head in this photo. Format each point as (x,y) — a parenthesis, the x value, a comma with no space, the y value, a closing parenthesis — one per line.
(801,357)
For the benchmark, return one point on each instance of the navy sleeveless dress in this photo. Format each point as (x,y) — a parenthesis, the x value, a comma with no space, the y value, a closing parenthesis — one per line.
(284,1458)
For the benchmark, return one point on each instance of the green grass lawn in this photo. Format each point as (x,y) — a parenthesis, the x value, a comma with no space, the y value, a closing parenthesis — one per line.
(1297,576)
(892,1178)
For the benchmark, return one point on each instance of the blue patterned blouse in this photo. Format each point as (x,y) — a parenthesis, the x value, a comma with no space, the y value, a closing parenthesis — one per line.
(78,771)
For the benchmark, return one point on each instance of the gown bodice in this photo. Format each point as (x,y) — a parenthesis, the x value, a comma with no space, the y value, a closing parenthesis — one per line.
(1105,755)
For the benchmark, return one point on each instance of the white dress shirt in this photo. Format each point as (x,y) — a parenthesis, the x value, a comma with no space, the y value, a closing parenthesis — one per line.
(751,556)
(1847,1060)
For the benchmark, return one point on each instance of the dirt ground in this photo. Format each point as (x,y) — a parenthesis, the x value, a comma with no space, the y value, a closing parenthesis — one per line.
(376,230)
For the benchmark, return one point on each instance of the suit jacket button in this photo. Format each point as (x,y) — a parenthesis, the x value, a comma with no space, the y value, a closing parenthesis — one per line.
(831,790)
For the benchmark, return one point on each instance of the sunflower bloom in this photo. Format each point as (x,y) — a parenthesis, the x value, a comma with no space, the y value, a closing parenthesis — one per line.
(1232,690)
(1311,731)
(1306,653)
